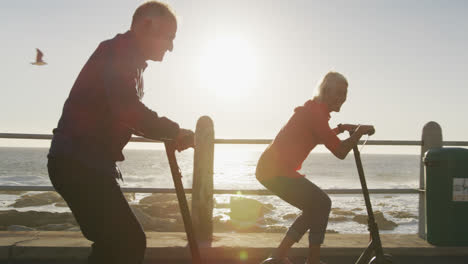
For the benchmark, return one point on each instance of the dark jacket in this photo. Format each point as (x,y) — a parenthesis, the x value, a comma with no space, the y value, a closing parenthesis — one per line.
(104,107)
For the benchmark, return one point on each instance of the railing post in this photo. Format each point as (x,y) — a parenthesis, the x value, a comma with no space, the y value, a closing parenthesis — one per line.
(202,195)
(431,138)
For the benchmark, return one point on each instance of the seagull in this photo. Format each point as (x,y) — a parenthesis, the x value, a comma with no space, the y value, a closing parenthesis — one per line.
(39,60)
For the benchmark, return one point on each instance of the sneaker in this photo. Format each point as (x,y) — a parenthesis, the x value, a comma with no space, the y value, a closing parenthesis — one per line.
(272,260)
(307,262)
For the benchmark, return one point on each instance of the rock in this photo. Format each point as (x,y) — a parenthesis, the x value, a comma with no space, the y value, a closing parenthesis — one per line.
(19,228)
(129,196)
(56,227)
(331,231)
(382,222)
(246,209)
(150,223)
(34,218)
(61,204)
(160,209)
(74,229)
(276,229)
(267,208)
(338,211)
(401,214)
(290,216)
(221,226)
(157,198)
(13,192)
(338,219)
(221,205)
(357,209)
(268,221)
(37,199)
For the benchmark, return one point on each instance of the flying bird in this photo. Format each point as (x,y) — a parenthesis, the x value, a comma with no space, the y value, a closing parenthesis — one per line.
(39,60)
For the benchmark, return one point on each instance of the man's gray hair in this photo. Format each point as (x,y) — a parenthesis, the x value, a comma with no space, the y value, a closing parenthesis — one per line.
(329,84)
(152,9)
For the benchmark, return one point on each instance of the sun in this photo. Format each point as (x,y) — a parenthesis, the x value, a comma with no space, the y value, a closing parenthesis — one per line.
(228,68)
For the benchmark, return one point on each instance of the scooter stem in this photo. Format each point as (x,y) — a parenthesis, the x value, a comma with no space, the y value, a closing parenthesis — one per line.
(376,243)
(184,210)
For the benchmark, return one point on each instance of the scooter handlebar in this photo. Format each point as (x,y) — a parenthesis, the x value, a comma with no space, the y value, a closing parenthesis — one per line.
(370,132)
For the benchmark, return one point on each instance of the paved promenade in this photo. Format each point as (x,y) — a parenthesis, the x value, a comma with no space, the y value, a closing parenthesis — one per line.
(168,247)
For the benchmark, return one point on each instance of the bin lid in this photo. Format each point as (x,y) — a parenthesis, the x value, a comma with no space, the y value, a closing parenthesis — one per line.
(446,154)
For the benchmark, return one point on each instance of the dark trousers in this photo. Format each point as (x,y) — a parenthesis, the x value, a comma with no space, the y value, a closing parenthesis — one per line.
(101,210)
(305,195)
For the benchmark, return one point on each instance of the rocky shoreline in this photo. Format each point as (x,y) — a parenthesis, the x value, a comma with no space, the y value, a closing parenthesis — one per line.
(160,212)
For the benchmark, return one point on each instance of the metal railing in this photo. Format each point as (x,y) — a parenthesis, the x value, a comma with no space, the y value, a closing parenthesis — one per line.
(431,138)
(231,191)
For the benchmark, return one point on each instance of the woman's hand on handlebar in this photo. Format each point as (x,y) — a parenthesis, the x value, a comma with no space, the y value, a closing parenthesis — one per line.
(347,127)
(365,130)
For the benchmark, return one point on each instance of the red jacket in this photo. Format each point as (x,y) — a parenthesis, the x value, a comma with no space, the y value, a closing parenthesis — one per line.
(307,128)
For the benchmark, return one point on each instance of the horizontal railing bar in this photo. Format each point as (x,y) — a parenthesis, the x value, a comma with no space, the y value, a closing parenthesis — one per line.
(250,141)
(219,191)
(369,142)
(49,137)
(25,136)
(455,143)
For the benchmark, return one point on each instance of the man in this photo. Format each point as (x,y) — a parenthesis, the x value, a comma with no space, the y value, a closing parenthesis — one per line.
(103,110)
(278,166)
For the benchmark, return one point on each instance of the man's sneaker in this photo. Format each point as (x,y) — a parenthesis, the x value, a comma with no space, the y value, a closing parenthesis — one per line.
(272,260)
(307,262)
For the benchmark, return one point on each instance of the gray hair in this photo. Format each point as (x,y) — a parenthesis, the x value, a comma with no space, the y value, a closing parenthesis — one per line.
(152,9)
(329,85)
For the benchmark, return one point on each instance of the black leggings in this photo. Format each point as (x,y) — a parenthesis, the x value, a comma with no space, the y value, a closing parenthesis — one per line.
(314,203)
(101,210)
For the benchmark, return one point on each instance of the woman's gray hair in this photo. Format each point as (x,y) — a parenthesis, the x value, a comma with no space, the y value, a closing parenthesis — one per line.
(329,84)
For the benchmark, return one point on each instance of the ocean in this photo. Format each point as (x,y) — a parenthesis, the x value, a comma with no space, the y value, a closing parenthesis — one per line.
(234,168)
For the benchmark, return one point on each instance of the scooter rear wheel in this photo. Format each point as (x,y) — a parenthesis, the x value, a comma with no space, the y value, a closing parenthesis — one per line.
(387,259)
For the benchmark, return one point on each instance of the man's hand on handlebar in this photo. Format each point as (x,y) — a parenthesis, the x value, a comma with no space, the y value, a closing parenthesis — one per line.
(185,139)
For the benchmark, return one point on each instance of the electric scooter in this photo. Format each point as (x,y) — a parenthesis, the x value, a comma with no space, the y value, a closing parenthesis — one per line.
(373,254)
(184,209)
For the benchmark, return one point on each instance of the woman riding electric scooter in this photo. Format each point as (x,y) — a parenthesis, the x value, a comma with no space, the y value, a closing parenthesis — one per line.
(278,166)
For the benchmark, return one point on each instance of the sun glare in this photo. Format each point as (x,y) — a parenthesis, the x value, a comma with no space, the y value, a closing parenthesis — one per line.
(228,68)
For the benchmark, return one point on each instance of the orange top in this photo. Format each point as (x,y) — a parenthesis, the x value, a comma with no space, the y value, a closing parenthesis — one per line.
(307,128)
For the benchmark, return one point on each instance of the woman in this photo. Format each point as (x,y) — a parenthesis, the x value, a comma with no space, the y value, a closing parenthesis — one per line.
(278,166)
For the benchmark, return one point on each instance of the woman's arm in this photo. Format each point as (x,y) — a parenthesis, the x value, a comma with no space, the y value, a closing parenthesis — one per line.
(346,145)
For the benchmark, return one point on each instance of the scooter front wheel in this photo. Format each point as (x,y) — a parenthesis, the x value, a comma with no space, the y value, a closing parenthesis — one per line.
(387,259)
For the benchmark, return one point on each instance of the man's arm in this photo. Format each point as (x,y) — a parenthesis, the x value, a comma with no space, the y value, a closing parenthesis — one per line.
(125,105)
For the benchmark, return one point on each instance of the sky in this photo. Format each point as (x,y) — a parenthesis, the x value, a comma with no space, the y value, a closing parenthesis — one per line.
(248,64)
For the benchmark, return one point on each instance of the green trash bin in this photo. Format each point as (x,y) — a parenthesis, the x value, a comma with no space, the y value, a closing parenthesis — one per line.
(447,196)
